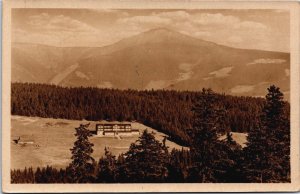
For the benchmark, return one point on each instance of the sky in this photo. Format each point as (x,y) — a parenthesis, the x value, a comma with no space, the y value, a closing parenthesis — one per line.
(249,29)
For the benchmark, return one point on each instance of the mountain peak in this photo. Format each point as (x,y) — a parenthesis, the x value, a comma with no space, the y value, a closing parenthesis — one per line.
(160,29)
(163,34)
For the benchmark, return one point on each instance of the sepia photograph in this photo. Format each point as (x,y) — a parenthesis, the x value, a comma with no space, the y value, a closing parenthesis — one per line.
(150,96)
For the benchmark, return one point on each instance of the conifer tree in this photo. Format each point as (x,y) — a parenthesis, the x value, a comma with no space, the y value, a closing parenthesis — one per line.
(256,153)
(267,157)
(107,168)
(277,123)
(177,166)
(146,160)
(83,164)
(206,149)
(38,175)
(233,151)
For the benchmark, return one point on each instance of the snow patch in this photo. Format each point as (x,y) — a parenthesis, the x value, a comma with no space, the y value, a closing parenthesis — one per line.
(239,138)
(242,88)
(157,84)
(82,75)
(223,72)
(185,67)
(185,74)
(187,71)
(267,61)
(105,84)
(61,76)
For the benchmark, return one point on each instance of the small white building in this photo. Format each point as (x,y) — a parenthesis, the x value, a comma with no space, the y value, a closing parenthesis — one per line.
(115,129)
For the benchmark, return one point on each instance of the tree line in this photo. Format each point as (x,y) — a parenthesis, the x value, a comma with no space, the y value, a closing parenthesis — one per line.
(167,111)
(209,159)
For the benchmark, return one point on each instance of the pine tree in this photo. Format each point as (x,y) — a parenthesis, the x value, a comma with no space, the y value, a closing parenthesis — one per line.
(107,168)
(38,175)
(83,164)
(30,175)
(277,126)
(232,169)
(206,149)
(146,160)
(256,153)
(267,156)
(177,166)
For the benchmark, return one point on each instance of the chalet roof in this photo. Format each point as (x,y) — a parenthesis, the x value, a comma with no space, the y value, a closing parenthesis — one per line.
(120,132)
(114,122)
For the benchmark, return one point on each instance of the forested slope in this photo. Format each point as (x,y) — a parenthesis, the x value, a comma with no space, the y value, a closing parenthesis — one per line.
(167,111)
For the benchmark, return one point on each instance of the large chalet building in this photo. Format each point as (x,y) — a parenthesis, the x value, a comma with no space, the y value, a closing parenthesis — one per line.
(115,129)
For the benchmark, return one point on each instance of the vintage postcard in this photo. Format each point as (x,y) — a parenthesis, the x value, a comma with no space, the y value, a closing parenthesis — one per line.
(150,96)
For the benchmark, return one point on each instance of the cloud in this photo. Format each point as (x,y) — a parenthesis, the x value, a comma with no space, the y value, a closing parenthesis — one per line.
(178,15)
(105,10)
(208,26)
(267,61)
(47,22)
(250,24)
(281,11)
(210,19)
(20,35)
(55,38)
(192,22)
(227,28)
(137,20)
(215,19)
(56,30)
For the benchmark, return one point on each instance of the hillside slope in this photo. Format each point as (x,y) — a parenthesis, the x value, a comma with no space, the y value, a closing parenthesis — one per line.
(159,58)
(52,140)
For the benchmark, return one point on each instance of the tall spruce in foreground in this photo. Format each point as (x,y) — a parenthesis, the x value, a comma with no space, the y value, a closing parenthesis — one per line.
(209,160)
(277,123)
(233,172)
(83,164)
(107,167)
(267,156)
(179,163)
(146,161)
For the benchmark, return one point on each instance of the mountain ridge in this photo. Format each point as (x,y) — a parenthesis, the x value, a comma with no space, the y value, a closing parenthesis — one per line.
(158,58)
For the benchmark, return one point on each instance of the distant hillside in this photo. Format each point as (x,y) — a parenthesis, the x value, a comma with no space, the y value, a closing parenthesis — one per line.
(159,58)
(167,111)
